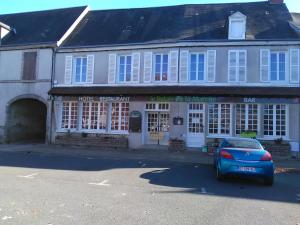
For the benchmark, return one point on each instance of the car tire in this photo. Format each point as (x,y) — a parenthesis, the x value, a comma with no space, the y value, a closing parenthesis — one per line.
(269,181)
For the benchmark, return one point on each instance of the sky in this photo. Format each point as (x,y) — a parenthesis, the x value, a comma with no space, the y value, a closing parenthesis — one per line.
(13,6)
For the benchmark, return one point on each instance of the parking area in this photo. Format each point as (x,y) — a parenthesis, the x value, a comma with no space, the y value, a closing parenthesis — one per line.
(61,189)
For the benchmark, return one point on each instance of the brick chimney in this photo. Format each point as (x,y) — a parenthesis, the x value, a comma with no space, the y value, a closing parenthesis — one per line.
(276,1)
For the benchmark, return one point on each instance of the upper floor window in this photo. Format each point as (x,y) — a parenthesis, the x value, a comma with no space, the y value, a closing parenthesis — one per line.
(237,26)
(29,65)
(278,66)
(80,69)
(125,68)
(161,67)
(237,60)
(197,68)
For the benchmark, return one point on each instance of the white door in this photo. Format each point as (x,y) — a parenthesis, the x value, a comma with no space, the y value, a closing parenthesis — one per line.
(196,121)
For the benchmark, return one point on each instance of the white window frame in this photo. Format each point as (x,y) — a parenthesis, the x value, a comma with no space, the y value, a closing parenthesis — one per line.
(97,129)
(219,134)
(161,68)
(237,66)
(125,67)
(118,131)
(286,77)
(157,107)
(81,69)
(274,122)
(69,116)
(247,117)
(197,62)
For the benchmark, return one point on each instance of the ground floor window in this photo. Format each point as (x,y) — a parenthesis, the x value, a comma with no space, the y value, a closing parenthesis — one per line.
(219,119)
(119,116)
(246,118)
(94,115)
(69,115)
(275,120)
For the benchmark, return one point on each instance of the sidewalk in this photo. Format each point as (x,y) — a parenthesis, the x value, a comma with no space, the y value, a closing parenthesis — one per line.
(192,157)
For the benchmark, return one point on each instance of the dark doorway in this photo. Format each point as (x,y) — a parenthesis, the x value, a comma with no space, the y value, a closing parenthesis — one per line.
(26,122)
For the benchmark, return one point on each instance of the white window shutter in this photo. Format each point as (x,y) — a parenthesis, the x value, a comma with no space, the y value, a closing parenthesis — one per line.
(68,69)
(90,69)
(242,65)
(232,66)
(211,65)
(264,65)
(184,58)
(136,67)
(295,65)
(112,68)
(173,66)
(147,67)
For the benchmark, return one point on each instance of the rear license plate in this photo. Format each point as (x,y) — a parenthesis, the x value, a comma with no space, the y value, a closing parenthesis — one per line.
(247,169)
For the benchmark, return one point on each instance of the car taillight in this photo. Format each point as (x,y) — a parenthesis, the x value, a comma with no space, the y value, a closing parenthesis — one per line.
(226,155)
(266,157)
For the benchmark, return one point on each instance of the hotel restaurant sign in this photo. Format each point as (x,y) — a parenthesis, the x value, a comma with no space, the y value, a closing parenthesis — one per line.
(181,99)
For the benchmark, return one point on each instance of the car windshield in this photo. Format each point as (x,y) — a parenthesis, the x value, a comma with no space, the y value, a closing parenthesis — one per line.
(241,144)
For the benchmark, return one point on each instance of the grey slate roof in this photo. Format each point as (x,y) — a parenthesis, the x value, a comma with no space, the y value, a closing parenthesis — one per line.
(201,22)
(39,27)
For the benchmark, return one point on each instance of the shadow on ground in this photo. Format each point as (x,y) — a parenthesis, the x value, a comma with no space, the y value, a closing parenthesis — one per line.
(182,178)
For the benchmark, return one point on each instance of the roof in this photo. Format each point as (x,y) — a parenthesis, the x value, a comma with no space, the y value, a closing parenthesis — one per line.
(39,27)
(197,22)
(179,90)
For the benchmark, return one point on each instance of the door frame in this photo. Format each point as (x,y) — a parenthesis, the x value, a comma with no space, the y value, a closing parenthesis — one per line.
(203,112)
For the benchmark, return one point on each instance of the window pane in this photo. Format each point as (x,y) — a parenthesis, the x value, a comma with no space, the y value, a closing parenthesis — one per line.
(274,69)
(281,66)
(213,111)
(77,69)
(84,69)
(201,67)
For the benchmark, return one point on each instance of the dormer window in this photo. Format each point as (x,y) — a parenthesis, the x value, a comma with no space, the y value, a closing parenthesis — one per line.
(4,30)
(237,26)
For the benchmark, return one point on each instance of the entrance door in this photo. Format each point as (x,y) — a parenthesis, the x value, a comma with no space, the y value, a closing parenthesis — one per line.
(196,121)
(158,128)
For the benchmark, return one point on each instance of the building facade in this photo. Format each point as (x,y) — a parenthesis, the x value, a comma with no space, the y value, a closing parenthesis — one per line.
(194,73)
(28,43)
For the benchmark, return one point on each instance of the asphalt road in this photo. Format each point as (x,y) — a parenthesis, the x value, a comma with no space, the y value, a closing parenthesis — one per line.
(47,189)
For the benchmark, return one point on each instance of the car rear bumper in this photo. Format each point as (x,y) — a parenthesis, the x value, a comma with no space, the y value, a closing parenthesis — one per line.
(246,168)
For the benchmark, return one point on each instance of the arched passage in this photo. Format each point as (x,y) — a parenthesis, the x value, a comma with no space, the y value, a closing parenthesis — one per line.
(26,121)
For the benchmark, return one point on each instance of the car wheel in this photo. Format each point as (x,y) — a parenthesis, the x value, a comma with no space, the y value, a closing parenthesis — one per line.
(269,181)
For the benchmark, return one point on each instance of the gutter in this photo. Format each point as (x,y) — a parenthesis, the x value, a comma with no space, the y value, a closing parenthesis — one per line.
(172,44)
(28,46)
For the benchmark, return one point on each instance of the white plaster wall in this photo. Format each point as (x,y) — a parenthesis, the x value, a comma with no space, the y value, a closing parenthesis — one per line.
(10,65)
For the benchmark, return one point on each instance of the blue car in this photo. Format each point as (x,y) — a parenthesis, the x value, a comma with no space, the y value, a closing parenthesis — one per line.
(243,157)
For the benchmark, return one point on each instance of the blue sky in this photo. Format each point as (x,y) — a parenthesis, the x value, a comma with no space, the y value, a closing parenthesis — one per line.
(12,6)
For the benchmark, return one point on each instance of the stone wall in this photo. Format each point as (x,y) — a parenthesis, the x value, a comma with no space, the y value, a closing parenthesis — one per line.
(101,140)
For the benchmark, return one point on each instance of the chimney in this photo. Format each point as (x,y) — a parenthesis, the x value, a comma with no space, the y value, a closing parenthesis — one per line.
(276,1)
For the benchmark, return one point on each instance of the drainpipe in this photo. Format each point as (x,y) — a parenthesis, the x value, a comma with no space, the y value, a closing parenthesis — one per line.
(51,98)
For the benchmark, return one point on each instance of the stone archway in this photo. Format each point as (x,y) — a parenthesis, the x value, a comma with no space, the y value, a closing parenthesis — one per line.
(26,121)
